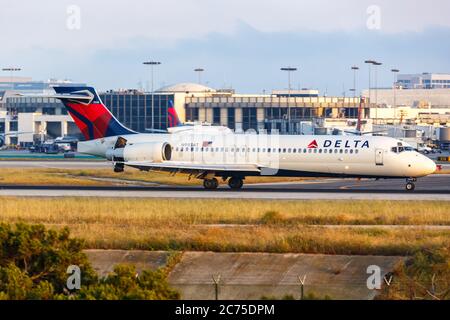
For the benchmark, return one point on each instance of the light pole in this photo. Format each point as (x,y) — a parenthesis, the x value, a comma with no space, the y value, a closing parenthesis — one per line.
(289,70)
(152,64)
(395,71)
(11,70)
(376,64)
(370,63)
(355,69)
(199,72)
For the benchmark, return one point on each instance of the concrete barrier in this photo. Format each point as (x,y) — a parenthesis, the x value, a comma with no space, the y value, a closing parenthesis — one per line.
(254,275)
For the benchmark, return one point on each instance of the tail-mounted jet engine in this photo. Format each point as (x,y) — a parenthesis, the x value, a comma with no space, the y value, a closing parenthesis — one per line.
(149,151)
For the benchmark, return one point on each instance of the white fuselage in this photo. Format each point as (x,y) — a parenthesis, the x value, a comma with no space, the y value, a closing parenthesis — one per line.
(346,156)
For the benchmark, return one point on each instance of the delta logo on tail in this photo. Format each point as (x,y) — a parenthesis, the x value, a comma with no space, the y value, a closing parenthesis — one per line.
(313,145)
(89,113)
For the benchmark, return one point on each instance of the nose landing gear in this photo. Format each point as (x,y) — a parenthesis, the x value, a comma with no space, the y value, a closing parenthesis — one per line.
(410,186)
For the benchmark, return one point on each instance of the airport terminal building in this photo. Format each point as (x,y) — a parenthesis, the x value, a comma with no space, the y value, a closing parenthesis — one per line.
(283,111)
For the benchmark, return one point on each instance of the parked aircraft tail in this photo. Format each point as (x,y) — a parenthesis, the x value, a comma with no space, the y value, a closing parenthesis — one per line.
(173,120)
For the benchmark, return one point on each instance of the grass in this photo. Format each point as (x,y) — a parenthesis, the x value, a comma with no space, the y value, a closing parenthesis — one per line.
(49,176)
(239,225)
(37,176)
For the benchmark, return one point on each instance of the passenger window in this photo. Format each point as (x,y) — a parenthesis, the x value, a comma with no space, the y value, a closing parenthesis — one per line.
(310,151)
(346,151)
(351,151)
(356,151)
(304,150)
(341,151)
(320,150)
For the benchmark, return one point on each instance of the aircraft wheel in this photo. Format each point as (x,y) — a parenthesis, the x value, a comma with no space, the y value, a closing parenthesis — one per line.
(118,167)
(410,186)
(211,184)
(235,183)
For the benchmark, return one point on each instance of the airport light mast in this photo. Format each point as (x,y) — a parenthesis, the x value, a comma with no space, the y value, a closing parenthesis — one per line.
(199,72)
(395,71)
(152,64)
(289,70)
(355,69)
(374,63)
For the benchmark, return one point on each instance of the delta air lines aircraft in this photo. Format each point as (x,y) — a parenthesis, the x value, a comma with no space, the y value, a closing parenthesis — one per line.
(211,154)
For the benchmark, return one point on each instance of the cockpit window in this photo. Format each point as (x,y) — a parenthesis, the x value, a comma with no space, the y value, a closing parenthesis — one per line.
(401,149)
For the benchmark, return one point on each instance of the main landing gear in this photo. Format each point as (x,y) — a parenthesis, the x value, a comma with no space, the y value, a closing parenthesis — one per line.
(410,186)
(211,184)
(234,183)
(118,167)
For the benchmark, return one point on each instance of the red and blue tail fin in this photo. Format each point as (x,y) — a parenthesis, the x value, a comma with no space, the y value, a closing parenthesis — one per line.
(89,113)
(173,120)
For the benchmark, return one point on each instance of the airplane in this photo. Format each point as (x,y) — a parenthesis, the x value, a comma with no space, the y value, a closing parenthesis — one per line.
(233,157)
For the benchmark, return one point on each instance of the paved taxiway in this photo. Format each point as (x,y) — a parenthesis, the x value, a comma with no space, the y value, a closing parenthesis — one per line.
(436,187)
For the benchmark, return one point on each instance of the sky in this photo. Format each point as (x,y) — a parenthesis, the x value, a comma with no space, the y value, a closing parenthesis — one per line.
(240,43)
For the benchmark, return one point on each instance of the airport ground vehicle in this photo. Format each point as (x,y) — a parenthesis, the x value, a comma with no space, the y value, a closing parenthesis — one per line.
(232,157)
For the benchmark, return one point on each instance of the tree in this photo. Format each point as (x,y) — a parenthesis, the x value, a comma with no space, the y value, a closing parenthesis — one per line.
(34,262)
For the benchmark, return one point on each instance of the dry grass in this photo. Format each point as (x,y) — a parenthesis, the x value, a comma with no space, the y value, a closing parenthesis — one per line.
(242,225)
(37,176)
(48,176)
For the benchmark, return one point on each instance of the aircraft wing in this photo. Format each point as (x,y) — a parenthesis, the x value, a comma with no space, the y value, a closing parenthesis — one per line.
(186,167)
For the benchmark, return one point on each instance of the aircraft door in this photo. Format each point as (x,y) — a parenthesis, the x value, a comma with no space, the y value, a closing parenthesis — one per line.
(379,157)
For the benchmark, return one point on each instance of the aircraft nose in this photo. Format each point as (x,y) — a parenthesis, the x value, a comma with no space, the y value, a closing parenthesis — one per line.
(429,166)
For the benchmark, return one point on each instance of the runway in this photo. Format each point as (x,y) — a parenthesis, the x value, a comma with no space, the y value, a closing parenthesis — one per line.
(436,187)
